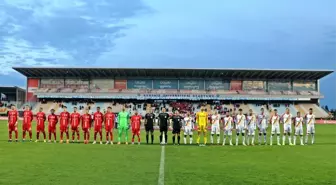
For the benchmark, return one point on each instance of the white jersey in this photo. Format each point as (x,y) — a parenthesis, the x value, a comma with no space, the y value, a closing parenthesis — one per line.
(228,123)
(310,119)
(215,119)
(188,122)
(251,121)
(287,119)
(275,120)
(240,121)
(298,122)
(262,120)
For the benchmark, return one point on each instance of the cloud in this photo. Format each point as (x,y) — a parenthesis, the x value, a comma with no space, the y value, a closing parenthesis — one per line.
(59,32)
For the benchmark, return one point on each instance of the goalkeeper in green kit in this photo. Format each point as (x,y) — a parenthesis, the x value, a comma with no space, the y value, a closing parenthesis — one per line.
(123,125)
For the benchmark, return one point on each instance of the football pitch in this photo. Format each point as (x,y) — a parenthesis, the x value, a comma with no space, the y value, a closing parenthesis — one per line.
(49,163)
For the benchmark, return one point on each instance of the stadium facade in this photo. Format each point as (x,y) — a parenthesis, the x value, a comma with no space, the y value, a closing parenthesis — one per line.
(234,85)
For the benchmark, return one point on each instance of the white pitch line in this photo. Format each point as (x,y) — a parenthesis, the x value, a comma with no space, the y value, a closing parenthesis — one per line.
(162,164)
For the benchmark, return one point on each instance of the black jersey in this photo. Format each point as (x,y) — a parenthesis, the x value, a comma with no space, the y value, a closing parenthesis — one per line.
(177,121)
(163,119)
(150,119)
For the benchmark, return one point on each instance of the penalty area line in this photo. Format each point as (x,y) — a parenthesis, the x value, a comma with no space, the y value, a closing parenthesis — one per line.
(162,167)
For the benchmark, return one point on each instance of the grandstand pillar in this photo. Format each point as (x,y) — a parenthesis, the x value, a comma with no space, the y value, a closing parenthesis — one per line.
(291,85)
(267,90)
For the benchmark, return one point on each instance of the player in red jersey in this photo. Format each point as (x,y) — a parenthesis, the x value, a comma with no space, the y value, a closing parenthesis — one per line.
(40,117)
(12,123)
(136,122)
(98,119)
(86,125)
(52,121)
(109,125)
(26,123)
(74,121)
(64,124)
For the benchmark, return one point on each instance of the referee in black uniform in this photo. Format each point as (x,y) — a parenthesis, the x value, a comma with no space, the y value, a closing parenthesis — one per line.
(149,125)
(163,123)
(177,125)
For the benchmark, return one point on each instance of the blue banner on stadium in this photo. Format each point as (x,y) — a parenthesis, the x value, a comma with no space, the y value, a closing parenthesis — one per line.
(139,84)
(165,84)
(191,84)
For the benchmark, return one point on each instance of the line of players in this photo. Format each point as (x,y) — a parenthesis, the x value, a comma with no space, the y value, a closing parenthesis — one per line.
(240,123)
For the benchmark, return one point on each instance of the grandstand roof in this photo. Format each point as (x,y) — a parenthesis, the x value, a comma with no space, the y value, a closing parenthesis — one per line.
(87,72)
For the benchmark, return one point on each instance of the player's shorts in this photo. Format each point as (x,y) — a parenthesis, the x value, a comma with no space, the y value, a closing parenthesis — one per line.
(262,130)
(98,128)
(109,128)
(240,129)
(310,129)
(188,131)
(287,128)
(275,129)
(299,131)
(164,129)
(202,128)
(176,130)
(12,127)
(136,131)
(51,129)
(251,131)
(228,132)
(85,129)
(149,128)
(215,129)
(26,127)
(64,128)
(40,128)
(74,129)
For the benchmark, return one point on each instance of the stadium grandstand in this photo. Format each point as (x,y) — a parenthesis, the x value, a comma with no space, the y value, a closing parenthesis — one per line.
(182,89)
(11,95)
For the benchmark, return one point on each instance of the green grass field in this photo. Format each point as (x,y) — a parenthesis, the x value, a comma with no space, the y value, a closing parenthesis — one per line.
(44,163)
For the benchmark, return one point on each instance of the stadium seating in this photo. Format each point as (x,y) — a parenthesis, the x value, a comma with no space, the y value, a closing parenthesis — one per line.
(257,92)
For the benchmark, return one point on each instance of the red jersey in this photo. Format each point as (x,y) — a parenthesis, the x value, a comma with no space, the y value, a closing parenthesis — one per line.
(109,119)
(12,117)
(86,121)
(27,117)
(75,119)
(64,119)
(40,117)
(98,119)
(52,119)
(135,121)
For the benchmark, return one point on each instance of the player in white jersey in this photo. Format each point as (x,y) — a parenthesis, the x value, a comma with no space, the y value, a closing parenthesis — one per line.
(274,121)
(287,123)
(240,126)
(310,121)
(251,127)
(227,125)
(298,128)
(215,129)
(262,126)
(188,128)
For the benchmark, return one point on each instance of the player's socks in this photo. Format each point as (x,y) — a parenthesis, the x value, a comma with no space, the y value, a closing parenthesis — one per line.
(230,140)
(259,138)
(147,136)
(313,139)
(161,138)
(37,135)
(265,139)
(301,140)
(138,139)
(294,140)
(218,139)
(111,137)
(152,138)
(24,135)
(278,140)
(178,139)
(16,135)
(211,139)
(224,139)
(185,139)
(252,140)
(61,135)
(237,140)
(244,140)
(191,140)
(271,139)
(55,137)
(283,139)
(166,138)
(306,139)
(133,139)
(174,139)
(290,140)
(198,139)
(126,138)
(205,139)
(94,142)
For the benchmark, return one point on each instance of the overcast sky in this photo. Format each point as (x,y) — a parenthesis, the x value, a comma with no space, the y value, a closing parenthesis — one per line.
(284,34)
